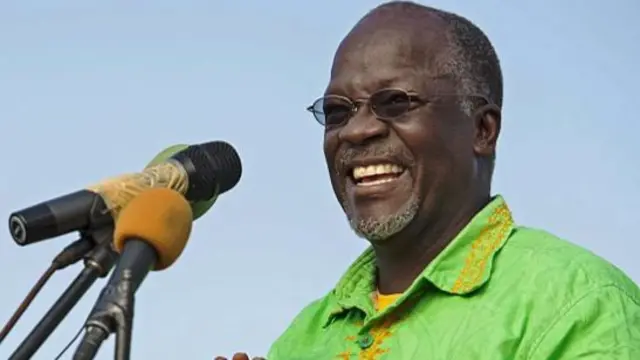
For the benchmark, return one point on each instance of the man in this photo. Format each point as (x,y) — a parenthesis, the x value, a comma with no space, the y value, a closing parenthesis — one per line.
(412,115)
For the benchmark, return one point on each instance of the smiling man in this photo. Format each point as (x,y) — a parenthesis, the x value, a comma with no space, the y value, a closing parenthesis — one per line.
(412,116)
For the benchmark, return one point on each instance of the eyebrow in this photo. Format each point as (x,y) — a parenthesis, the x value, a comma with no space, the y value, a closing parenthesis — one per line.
(373,85)
(392,82)
(443,76)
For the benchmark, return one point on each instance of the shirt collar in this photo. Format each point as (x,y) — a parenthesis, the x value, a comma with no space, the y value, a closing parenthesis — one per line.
(461,268)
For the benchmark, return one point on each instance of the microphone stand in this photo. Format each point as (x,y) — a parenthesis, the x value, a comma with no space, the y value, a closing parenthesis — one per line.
(112,313)
(114,309)
(97,264)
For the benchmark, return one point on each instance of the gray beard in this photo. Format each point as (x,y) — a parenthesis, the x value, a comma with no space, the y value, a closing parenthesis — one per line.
(382,228)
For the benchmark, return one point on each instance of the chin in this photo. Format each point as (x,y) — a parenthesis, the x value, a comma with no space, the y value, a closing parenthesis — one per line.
(382,227)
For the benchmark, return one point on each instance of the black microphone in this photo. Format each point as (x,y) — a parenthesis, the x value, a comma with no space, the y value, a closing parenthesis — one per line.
(199,172)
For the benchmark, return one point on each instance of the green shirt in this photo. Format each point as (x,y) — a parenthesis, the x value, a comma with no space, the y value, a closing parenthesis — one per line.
(498,291)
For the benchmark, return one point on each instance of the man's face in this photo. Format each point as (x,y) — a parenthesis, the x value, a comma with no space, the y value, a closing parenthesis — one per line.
(394,175)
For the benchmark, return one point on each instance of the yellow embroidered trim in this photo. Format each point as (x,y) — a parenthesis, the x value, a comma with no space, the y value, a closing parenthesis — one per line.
(380,333)
(483,248)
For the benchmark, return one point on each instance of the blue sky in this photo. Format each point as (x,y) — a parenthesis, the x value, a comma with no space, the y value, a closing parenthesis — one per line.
(94,89)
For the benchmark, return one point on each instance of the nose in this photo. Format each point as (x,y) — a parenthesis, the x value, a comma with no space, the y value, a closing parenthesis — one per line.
(363,128)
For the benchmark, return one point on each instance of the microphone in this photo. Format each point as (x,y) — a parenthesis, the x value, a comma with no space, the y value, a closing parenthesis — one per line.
(215,165)
(199,208)
(199,172)
(150,234)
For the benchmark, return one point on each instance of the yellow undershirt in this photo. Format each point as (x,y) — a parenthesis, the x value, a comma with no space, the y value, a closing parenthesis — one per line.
(383,301)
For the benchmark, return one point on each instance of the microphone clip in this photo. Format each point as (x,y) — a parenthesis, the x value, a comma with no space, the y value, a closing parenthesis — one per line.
(112,314)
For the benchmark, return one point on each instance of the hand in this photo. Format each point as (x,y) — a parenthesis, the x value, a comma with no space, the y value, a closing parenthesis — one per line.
(239,356)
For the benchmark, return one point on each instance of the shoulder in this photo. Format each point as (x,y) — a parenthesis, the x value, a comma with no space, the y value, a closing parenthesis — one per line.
(577,302)
(304,325)
(550,261)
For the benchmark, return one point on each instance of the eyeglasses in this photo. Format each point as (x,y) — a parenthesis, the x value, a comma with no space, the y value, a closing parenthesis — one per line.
(385,104)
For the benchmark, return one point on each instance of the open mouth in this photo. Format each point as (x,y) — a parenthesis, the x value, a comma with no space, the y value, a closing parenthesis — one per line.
(376,174)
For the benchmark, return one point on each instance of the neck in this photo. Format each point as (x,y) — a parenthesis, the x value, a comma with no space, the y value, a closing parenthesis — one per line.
(400,260)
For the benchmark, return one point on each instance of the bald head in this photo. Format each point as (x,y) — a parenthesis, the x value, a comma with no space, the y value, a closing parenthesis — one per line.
(443,43)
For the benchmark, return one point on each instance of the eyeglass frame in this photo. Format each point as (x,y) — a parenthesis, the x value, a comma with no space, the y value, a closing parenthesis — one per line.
(356,104)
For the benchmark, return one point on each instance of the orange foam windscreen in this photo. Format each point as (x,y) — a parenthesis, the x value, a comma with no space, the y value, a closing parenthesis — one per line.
(162,218)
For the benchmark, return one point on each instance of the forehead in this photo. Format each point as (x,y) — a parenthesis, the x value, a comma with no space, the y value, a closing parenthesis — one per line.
(370,59)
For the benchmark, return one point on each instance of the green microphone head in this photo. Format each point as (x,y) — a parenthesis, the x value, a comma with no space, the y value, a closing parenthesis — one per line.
(198,207)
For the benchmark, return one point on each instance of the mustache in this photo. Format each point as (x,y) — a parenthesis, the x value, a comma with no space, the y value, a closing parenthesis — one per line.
(347,156)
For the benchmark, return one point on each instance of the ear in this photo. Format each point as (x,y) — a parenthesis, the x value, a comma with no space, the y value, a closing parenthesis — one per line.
(487,122)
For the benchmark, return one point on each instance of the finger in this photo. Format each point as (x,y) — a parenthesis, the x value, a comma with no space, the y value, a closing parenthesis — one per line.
(220,358)
(240,356)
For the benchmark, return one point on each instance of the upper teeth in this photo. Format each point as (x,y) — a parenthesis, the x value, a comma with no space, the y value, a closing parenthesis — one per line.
(360,172)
